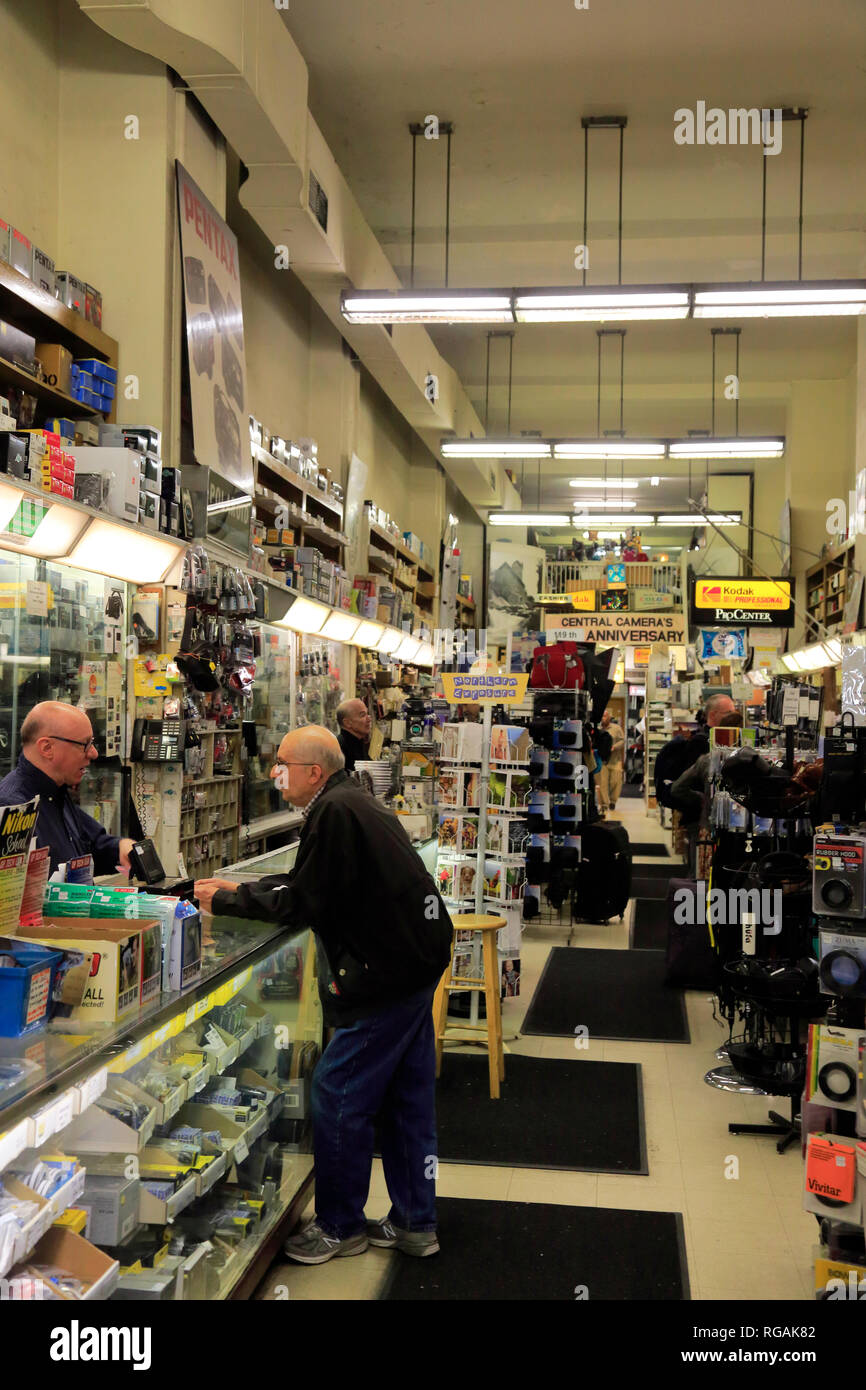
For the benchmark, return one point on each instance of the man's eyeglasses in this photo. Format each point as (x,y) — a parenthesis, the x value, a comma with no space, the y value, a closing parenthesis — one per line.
(280,763)
(79,743)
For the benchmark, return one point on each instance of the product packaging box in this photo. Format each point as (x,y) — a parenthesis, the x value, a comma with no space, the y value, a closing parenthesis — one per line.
(21,253)
(17,347)
(56,364)
(43,272)
(121,468)
(65,1250)
(111,1204)
(122,952)
(93,306)
(13,453)
(5,234)
(70,291)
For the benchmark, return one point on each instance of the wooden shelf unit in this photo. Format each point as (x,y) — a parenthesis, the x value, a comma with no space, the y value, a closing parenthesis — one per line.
(388,554)
(316,517)
(828,585)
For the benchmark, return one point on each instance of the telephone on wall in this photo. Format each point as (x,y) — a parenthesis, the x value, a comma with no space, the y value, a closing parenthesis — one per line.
(157,741)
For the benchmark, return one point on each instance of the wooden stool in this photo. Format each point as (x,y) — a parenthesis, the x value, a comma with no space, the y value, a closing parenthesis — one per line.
(488,925)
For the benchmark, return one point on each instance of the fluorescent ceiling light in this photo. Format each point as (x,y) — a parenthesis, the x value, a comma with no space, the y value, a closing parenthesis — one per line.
(367,634)
(778,299)
(408,648)
(601,305)
(529,519)
(495,449)
(340,626)
(426,656)
(139,557)
(609,449)
(604,484)
(697,519)
(305,616)
(413,306)
(596,503)
(625,520)
(833,648)
(813,658)
(727,448)
(389,641)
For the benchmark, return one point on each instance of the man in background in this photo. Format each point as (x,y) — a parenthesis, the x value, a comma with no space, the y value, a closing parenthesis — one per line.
(57,748)
(609,780)
(354,722)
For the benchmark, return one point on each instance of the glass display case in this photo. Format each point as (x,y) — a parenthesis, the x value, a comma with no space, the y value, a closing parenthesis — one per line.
(321,683)
(272,713)
(185,1136)
(58,642)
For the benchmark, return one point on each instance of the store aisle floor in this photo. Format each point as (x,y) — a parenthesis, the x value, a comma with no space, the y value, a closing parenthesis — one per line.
(747,1236)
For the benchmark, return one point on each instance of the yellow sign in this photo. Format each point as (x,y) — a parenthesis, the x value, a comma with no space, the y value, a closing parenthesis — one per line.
(583,600)
(769,594)
(554,598)
(150,676)
(642,656)
(467,689)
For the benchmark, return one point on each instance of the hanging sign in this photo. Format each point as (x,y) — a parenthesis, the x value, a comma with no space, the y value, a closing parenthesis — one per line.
(642,656)
(649,600)
(616,576)
(732,602)
(214,335)
(471,689)
(613,629)
(728,642)
(582,599)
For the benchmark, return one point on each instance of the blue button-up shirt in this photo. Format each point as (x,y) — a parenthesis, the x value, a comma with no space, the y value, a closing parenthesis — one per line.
(62,825)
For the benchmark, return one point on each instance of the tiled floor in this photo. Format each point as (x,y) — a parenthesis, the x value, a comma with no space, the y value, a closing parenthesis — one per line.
(747,1236)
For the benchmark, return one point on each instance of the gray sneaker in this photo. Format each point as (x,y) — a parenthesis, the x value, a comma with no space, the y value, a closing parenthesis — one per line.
(311,1246)
(390,1237)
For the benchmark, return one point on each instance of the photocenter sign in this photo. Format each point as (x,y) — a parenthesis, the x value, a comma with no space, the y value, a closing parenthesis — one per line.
(616,629)
(733,602)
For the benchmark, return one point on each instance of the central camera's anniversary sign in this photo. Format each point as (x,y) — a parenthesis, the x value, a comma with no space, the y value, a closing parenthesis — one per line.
(616,629)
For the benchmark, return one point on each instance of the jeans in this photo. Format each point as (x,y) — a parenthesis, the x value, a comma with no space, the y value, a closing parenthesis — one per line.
(382,1067)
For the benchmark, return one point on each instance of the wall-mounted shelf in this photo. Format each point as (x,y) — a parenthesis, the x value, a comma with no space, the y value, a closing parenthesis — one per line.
(34,311)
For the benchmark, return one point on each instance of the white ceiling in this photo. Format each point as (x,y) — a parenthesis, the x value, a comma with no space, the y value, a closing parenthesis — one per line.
(515,78)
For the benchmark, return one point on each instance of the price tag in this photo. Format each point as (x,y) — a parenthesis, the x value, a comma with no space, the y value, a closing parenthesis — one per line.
(64,1110)
(790,705)
(36,599)
(93,1087)
(159,1037)
(190,1016)
(13,1142)
(241,1150)
(43,1122)
(135,1053)
(203,1006)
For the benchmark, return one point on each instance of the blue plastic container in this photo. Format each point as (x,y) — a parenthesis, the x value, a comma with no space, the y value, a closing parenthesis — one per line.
(26,989)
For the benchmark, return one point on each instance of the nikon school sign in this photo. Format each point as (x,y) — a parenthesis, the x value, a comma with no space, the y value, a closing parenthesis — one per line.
(617,629)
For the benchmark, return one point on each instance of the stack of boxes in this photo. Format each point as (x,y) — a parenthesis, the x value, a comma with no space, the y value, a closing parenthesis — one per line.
(146,443)
(17,250)
(323,579)
(93,383)
(373,597)
(125,477)
(50,465)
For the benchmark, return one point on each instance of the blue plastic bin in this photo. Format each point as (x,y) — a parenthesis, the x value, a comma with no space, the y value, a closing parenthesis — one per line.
(26,989)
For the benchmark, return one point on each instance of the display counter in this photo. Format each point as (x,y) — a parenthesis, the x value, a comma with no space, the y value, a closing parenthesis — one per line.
(210,1227)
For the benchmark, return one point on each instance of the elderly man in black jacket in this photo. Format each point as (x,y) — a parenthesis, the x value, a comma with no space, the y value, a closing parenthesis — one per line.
(385,939)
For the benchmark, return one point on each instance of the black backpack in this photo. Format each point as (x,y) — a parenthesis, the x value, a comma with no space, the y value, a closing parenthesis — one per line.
(603,743)
(675,758)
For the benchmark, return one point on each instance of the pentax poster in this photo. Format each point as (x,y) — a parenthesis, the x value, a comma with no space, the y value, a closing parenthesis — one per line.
(214,335)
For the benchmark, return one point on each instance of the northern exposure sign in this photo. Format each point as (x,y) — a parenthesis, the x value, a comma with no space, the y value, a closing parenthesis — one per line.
(614,629)
(731,602)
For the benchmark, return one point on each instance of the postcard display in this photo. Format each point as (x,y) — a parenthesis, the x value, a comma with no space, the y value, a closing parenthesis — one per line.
(483,793)
(560,799)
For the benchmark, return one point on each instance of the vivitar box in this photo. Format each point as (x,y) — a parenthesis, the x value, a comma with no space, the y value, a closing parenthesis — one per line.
(43,270)
(122,468)
(16,346)
(112,1208)
(151,1283)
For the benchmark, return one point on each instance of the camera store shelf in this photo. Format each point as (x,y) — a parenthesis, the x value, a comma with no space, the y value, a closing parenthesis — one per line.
(34,311)
(78,1060)
(295,481)
(276,820)
(50,399)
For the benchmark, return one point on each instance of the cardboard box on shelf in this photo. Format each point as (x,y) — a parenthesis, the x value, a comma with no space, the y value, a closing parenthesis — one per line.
(21,252)
(121,470)
(56,364)
(17,347)
(43,270)
(65,1250)
(111,1205)
(119,951)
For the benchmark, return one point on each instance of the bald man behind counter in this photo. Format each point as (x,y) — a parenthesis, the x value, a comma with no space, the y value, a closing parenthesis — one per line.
(384,939)
(57,749)
(355,723)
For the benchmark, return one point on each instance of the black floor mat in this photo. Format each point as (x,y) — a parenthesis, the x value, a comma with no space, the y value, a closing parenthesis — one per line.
(649,925)
(528,1251)
(615,994)
(551,1113)
(631,789)
(645,848)
(644,886)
